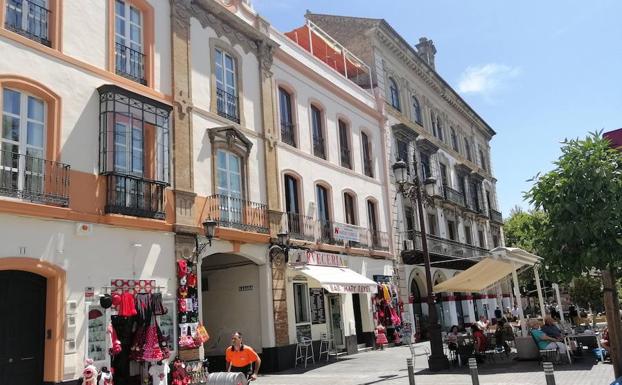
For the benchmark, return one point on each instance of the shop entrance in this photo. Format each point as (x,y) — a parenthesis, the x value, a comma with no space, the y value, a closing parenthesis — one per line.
(22,327)
(358,321)
(336,320)
(230,302)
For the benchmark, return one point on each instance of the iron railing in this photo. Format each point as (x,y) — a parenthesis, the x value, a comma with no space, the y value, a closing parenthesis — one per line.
(130,63)
(454,196)
(367,238)
(238,213)
(136,196)
(34,179)
(367,166)
(28,19)
(300,226)
(287,133)
(345,158)
(319,149)
(379,240)
(445,247)
(227,105)
(496,216)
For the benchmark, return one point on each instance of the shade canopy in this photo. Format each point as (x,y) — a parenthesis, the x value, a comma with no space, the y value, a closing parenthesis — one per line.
(339,279)
(478,277)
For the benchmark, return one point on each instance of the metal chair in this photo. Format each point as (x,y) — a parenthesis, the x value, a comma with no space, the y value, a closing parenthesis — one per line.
(326,345)
(304,344)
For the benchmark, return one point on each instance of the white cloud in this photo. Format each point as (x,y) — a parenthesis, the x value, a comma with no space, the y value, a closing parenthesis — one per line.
(486,79)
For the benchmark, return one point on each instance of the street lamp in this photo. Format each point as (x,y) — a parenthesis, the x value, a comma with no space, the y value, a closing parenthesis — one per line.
(412,190)
(210,228)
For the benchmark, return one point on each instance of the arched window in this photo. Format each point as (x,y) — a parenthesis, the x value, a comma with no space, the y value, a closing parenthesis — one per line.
(482,160)
(324,216)
(319,147)
(367,157)
(467,149)
(287,117)
(439,127)
(372,223)
(416,110)
(349,204)
(394,94)
(292,207)
(454,139)
(433,120)
(344,144)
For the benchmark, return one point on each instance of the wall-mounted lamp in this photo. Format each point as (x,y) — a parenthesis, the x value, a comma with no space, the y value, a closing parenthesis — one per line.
(209,226)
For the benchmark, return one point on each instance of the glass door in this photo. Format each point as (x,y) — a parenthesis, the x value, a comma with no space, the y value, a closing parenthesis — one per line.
(229,186)
(336,321)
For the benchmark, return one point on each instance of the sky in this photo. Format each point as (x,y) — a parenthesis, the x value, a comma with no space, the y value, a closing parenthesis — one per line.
(536,71)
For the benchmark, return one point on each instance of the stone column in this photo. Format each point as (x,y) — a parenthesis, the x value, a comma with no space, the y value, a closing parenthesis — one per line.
(279,296)
(468,308)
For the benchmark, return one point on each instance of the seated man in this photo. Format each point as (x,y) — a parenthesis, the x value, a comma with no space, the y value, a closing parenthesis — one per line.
(543,341)
(502,336)
(550,328)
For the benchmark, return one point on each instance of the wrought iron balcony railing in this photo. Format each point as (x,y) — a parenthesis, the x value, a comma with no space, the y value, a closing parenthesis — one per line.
(28,19)
(227,105)
(300,227)
(345,158)
(34,179)
(453,196)
(367,166)
(136,196)
(238,213)
(445,247)
(130,63)
(287,134)
(319,149)
(496,216)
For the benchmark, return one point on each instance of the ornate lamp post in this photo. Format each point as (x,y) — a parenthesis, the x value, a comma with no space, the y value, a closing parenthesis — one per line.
(412,190)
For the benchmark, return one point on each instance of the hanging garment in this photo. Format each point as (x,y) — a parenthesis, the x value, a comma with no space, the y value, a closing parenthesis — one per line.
(395,319)
(157,305)
(128,305)
(105,378)
(158,373)
(385,293)
(145,307)
(152,351)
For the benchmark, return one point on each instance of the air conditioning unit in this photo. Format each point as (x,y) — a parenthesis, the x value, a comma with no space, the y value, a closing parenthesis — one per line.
(409,244)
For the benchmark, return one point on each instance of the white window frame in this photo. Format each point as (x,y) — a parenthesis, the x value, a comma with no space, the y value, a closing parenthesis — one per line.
(228,171)
(305,288)
(25,11)
(22,142)
(125,37)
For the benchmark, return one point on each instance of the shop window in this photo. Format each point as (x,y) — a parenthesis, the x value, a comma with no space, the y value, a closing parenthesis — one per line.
(367,156)
(344,145)
(301,303)
(287,119)
(134,152)
(319,145)
(227,103)
(30,18)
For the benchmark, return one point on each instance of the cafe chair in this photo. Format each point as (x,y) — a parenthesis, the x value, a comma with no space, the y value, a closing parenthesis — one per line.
(305,344)
(326,345)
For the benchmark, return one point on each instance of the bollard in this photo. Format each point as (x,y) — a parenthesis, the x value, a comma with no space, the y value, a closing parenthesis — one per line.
(473,369)
(411,371)
(548,373)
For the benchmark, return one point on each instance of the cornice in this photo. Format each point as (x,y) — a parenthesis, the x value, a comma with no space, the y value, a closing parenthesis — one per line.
(432,79)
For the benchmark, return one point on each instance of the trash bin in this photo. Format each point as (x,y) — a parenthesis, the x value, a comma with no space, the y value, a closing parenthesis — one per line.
(226,378)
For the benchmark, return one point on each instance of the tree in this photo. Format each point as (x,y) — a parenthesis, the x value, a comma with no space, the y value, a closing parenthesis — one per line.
(586,292)
(582,198)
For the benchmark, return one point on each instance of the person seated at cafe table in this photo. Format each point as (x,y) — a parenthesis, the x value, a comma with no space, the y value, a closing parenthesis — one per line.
(543,341)
(452,338)
(550,328)
(479,342)
(483,323)
(503,334)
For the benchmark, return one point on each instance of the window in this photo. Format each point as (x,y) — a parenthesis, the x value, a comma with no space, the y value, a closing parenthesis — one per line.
(134,152)
(394,94)
(426,172)
(409,219)
(344,143)
(467,149)
(22,145)
(226,86)
(228,174)
(451,230)
(454,139)
(319,147)
(432,224)
(292,207)
(129,43)
(402,151)
(30,18)
(350,207)
(495,240)
(287,118)
(480,235)
(473,187)
(301,303)
(433,120)
(482,160)
(323,214)
(439,128)
(367,159)
(444,178)
(371,216)
(467,235)
(416,110)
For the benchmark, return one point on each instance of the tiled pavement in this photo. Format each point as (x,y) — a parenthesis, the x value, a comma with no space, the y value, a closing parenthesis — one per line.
(388,367)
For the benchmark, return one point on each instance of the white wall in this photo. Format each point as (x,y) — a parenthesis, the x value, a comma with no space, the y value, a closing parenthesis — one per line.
(90,260)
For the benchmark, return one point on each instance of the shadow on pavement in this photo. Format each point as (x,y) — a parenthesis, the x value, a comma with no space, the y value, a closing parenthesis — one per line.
(300,369)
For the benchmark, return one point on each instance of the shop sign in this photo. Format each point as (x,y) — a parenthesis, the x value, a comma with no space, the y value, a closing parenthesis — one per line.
(89,293)
(346,232)
(246,288)
(312,257)
(348,288)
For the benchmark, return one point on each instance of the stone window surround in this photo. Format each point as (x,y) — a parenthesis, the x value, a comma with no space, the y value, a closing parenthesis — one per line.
(229,49)
(293,97)
(230,139)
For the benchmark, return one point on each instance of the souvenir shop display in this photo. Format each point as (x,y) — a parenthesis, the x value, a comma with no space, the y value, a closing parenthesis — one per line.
(179,375)
(124,334)
(387,309)
(90,373)
(191,333)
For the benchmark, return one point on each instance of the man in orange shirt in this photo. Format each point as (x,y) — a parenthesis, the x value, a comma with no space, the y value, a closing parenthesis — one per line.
(240,357)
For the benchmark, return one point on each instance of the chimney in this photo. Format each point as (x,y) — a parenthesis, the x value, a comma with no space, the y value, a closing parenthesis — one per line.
(426,51)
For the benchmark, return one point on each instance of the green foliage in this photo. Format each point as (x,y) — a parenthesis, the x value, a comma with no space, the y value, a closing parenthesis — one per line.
(582,200)
(521,229)
(587,293)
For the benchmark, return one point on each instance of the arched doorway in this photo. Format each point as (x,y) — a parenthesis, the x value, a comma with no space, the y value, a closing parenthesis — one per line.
(417,299)
(441,310)
(22,327)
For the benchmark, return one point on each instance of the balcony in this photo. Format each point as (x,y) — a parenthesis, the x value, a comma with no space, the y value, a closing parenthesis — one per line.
(444,247)
(322,231)
(496,216)
(453,196)
(34,179)
(130,63)
(238,213)
(227,105)
(300,227)
(136,196)
(28,19)
(287,134)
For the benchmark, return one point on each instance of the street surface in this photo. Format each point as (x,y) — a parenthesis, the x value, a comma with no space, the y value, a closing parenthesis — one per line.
(388,367)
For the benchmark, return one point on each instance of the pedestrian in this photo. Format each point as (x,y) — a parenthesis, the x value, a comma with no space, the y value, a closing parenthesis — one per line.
(498,314)
(381,337)
(240,358)
(479,342)
(515,312)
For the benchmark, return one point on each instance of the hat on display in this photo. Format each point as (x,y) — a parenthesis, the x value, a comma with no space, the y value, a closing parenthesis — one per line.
(105,301)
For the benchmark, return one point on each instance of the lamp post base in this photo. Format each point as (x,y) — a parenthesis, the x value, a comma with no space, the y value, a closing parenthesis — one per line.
(438,360)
